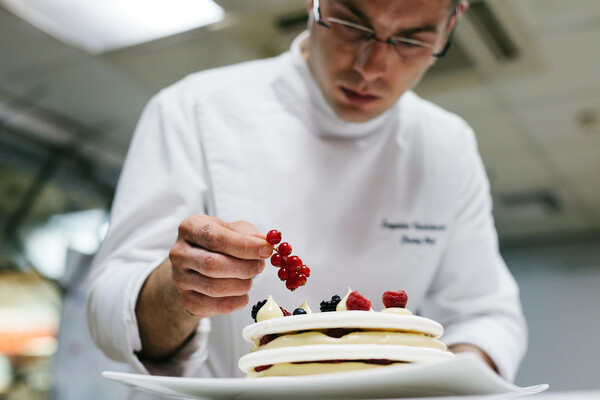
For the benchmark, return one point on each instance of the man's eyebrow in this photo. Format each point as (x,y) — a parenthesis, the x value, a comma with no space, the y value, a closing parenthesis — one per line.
(354,10)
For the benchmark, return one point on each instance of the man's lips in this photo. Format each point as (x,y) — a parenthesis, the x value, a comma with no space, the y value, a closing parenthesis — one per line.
(358,97)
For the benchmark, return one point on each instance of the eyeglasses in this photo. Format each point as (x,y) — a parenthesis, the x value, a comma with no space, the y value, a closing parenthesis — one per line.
(351,32)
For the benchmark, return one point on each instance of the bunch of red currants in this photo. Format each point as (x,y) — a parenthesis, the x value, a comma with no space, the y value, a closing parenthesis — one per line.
(291,269)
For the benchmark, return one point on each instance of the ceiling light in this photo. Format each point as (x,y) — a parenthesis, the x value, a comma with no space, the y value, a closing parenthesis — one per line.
(100,26)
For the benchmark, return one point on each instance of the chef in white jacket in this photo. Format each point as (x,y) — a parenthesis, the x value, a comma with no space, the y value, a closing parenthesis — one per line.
(375,188)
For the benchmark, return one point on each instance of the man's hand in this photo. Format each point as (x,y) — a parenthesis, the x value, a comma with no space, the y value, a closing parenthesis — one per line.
(214,263)
(469,348)
(209,271)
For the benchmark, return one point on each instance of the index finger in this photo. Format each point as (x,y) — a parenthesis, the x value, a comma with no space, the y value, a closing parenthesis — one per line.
(214,235)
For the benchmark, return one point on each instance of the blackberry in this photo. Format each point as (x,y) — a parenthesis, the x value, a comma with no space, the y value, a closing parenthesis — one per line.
(299,311)
(257,307)
(330,305)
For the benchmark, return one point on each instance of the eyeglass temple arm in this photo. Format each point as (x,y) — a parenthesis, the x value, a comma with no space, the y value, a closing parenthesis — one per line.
(450,36)
(317,14)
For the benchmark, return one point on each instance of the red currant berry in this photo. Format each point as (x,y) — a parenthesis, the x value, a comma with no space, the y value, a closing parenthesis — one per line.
(300,279)
(292,272)
(285,249)
(274,237)
(291,285)
(305,270)
(277,260)
(283,274)
(294,262)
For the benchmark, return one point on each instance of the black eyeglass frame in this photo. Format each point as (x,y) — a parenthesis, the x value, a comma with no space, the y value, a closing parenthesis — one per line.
(370,34)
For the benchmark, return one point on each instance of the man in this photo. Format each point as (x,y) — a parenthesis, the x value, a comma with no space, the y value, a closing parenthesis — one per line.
(375,188)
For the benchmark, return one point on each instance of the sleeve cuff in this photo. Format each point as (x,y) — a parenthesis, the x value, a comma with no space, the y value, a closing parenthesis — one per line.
(477,332)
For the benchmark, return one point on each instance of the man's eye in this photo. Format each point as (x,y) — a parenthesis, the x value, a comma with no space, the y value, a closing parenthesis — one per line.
(350,32)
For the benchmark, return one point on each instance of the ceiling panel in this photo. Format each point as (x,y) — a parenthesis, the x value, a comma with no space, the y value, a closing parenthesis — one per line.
(157,65)
(530,219)
(523,225)
(90,93)
(470,101)
(496,136)
(526,121)
(558,15)
(553,122)
(588,191)
(23,46)
(570,63)
(245,6)
(581,164)
(520,172)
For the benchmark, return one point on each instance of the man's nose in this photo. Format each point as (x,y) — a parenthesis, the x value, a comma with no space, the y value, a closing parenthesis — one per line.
(371,61)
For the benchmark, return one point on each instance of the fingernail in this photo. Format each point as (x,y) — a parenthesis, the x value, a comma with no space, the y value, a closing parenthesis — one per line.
(265,251)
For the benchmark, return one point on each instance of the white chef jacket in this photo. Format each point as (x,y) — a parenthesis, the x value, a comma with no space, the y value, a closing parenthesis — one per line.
(398,202)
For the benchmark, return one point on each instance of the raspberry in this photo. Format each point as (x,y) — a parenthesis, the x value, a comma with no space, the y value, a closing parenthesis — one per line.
(274,237)
(357,301)
(394,299)
(285,312)
(257,307)
(338,332)
(327,306)
(267,338)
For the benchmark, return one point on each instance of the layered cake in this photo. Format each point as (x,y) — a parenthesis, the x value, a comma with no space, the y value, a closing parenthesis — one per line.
(346,335)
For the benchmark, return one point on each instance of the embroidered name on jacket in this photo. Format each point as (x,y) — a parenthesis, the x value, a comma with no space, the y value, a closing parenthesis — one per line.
(415,233)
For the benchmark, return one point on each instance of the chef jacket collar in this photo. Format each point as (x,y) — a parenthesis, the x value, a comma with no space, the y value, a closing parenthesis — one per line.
(301,87)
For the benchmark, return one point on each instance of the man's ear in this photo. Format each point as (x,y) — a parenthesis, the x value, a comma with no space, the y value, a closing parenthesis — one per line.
(462,8)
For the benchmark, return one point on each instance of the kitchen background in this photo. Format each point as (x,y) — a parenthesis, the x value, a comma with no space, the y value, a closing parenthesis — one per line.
(524,73)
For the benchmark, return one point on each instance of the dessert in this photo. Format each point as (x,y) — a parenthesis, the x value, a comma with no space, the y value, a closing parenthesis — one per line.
(346,335)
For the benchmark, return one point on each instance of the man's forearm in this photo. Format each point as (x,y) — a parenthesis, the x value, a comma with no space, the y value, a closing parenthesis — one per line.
(163,322)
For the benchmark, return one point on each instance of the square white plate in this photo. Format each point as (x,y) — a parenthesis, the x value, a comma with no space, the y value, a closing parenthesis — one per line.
(459,376)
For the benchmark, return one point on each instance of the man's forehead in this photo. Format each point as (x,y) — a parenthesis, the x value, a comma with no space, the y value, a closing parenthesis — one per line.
(361,5)
(390,12)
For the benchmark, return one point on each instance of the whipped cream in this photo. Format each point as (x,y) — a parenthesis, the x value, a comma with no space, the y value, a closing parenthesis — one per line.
(397,310)
(306,308)
(295,339)
(341,306)
(269,310)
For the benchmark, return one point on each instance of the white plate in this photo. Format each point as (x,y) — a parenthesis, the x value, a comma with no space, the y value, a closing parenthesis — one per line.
(459,376)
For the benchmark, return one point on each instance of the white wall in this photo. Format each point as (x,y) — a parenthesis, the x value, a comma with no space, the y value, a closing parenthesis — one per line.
(560,290)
